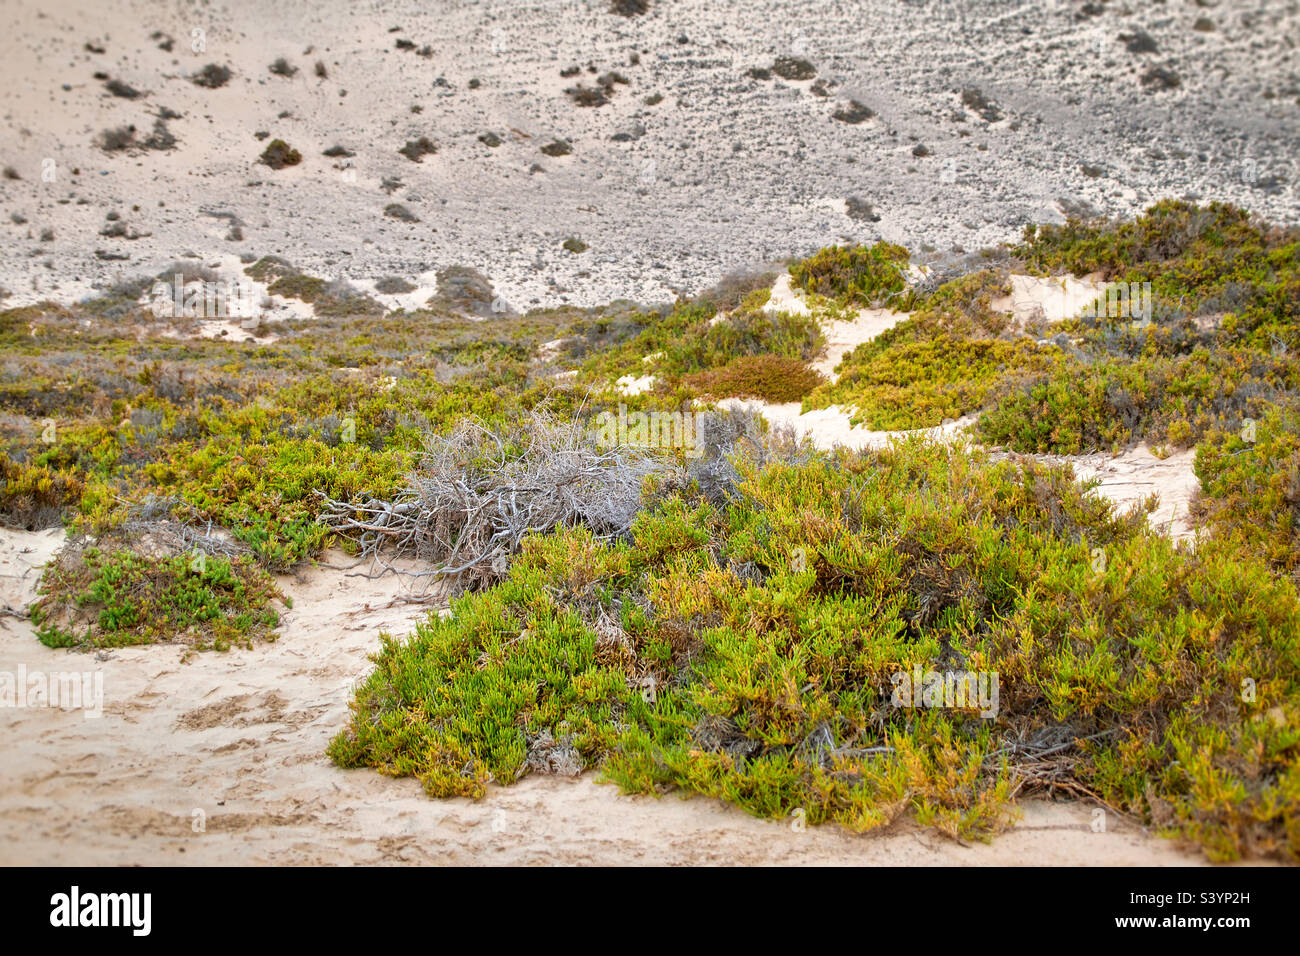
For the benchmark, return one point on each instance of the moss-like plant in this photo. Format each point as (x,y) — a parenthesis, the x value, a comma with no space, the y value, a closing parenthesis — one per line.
(919,384)
(94,598)
(862,275)
(34,497)
(1250,486)
(772,378)
(279,154)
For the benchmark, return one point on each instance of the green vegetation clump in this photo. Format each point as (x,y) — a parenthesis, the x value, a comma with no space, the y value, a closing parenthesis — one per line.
(1250,487)
(94,598)
(33,496)
(793,68)
(698,337)
(920,384)
(1109,403)
(752,651)
(298,286)
(771,378)
(416,149)
(279,154)
(1219,277)
(100,421)
(395,210)
(1219,345)
(270,268)
(337,298)
(945,360)
(869,276)
(212,77)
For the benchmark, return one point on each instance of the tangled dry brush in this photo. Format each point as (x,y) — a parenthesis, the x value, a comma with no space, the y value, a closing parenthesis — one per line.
(476,493)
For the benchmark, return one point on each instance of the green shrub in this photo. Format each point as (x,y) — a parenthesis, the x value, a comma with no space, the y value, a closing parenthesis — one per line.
(1114,402)
(873,275)
(771,378)
(279,154)
(1218,275)
(748,652)
(35,497)
(1250,487)
(693,338)
(919,384)
(94,598)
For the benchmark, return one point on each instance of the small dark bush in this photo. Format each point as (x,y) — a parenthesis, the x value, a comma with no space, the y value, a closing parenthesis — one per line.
(212,76)
(280,154)
(416,149)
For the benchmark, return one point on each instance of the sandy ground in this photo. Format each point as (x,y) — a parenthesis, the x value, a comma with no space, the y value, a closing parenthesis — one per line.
(1128,478)
(219,760)
(986,116)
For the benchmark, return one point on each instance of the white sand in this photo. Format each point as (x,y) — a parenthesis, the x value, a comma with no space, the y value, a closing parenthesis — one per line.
(1051,299)
(1131,476)
(632,385)
(786,299)
(844,337)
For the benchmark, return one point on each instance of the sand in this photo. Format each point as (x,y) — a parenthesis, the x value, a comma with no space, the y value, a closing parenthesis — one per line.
(1128,478)
(725,172)
(219,759)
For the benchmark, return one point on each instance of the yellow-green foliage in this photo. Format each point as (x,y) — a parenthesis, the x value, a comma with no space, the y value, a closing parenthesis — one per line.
(772,378)
(918,384)
(1250,486)
(942,362)
(961,307)
(748,653)
(1080,407)
(1215,262)
(267,491)
(246,436)
(1220,345)
(693,338)
(298,286)
(110,599)
(34,496)
(860,275)
(270,268)
(327,299)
